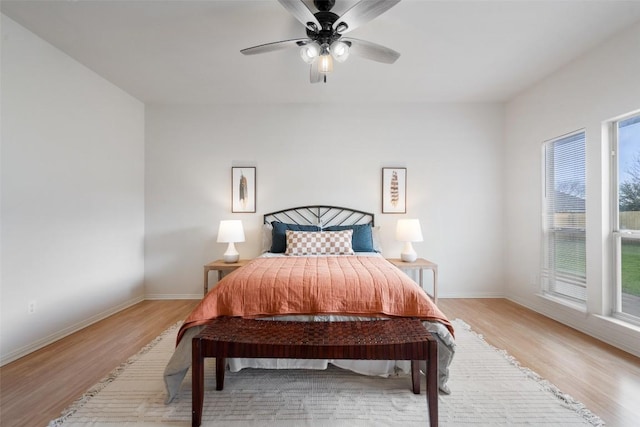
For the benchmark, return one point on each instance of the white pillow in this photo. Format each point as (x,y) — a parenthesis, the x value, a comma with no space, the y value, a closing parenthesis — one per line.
(319,242)
(375,234)
(267,230)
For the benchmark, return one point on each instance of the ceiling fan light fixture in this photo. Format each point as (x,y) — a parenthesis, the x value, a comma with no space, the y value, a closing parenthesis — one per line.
(340,51)
(324,42)
(325,61)
(310,52)
(325,64)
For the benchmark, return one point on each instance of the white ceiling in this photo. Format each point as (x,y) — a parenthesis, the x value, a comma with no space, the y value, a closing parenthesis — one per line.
(187,51)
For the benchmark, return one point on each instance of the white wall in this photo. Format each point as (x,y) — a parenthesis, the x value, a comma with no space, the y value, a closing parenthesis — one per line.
(72,194)
(595,88)
(325,154)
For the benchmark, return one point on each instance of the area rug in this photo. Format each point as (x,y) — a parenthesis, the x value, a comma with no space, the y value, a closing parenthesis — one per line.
(488,388)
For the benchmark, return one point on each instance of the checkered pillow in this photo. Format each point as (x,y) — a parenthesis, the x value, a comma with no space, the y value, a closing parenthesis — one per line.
(319,242)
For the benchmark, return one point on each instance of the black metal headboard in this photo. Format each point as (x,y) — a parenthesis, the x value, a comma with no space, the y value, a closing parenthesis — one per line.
(321,215)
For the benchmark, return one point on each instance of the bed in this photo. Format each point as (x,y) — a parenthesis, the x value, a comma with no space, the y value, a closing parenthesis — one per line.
(320,263)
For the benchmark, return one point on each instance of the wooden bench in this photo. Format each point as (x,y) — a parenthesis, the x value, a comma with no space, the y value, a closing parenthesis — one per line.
(394,339)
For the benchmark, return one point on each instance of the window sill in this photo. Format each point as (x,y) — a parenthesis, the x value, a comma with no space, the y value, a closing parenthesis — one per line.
(565,303)
(583,309)
(619,322)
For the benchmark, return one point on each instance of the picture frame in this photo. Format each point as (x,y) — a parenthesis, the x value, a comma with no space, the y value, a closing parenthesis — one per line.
(243,189)
(394,190)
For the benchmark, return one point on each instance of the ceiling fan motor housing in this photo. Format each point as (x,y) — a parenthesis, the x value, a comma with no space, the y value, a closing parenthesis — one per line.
(326,34)
(324,5)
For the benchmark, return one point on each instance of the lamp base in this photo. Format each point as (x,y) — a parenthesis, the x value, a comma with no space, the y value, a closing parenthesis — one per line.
(408,254)
(230,259)
(231,255)
(408,257)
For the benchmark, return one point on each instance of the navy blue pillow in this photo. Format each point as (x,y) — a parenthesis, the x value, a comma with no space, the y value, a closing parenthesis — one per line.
(279,238)
(362,240)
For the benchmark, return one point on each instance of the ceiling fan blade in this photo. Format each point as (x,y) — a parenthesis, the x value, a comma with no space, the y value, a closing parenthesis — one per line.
(362,12)
(372,51)
(270,47)
(314,74)
(302,13)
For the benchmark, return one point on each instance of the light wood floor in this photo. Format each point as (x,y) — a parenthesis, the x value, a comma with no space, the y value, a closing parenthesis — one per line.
(606,380)
(36,388)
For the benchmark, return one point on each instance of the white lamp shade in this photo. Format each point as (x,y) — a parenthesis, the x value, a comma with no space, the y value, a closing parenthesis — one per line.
(230,231)
(409,230)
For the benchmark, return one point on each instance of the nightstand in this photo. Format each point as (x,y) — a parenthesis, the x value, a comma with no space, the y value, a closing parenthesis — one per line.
(222,268)
(420,264)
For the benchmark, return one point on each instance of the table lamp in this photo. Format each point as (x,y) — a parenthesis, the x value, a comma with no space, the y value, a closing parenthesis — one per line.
(408,230)
(231,231)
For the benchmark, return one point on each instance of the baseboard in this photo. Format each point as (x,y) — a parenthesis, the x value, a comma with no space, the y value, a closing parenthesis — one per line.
(608,332)
(21,352)
(30,348)
(473,295)
(172,296)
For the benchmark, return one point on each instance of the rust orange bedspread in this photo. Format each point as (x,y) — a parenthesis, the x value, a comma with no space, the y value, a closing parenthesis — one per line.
(340,285)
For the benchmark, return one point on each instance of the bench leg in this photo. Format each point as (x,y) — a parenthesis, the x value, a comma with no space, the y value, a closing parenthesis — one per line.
(220,366)
(197,379)
(415,376)
(432,383)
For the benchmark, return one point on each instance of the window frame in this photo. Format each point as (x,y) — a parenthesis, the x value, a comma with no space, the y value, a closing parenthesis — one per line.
(616,234)
(548,276)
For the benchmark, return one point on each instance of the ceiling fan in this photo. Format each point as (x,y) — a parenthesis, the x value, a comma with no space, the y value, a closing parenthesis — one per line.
(325,29)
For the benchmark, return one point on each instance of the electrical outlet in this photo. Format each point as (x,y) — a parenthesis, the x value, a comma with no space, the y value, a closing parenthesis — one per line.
(31,308)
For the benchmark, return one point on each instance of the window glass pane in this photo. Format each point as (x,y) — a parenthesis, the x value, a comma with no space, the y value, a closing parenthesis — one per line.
(630,276)
(571,257)
(564,269)
(629,173)
(628,254)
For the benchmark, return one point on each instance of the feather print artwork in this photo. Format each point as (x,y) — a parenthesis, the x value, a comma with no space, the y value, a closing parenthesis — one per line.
(242,191)
(393,188)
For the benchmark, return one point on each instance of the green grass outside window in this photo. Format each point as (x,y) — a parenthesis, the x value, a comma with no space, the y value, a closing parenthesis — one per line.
(631,267)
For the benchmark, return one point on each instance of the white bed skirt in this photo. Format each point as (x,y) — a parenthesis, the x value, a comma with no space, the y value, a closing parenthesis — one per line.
(365,367)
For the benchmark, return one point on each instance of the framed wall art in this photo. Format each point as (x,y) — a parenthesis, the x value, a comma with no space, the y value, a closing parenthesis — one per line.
(243,189)
(394,190)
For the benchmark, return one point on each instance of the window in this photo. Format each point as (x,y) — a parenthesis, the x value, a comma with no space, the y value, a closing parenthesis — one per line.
(626,228)
(564,272)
